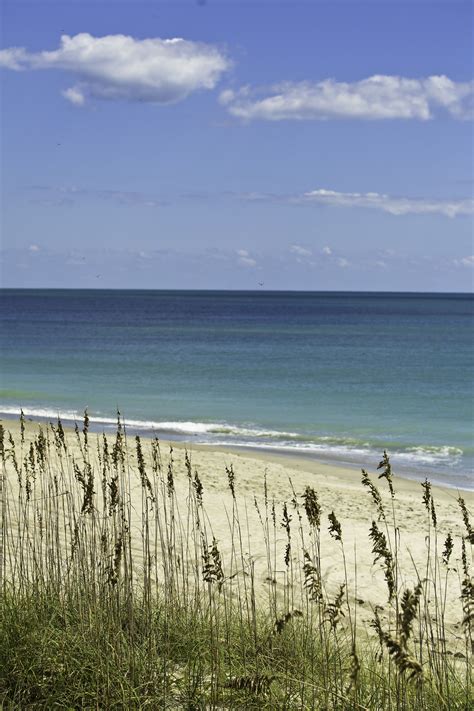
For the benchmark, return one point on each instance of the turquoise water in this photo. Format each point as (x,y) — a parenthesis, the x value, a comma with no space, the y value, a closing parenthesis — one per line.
(336,376)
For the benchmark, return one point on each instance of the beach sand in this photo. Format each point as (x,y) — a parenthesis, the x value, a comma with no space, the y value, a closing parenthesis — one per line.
(339,490)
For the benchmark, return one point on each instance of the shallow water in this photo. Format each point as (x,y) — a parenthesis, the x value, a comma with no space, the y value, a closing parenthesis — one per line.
(337,376)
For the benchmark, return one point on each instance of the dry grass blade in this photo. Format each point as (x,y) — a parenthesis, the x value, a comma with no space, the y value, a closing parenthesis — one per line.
(466,520)
(381,551)
(335,528)
(312,507)
(333,610)
(387,473)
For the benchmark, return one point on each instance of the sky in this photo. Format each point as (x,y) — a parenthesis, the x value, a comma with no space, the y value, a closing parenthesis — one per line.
(214,144)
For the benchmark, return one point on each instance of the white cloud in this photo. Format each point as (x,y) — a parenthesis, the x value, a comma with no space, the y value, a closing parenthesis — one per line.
(34,248)
(342,262)
(377,97)
(327,251)
(74,95)
(300,251)
(13,58)
(121,67)
(386,203)
(394,205)
(227,96)
(244,258)
(465,261)
(247,262)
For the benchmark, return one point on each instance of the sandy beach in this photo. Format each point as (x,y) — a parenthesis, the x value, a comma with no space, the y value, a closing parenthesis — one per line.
(262,478)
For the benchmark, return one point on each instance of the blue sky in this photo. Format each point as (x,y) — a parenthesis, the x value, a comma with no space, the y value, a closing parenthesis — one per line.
(297,145)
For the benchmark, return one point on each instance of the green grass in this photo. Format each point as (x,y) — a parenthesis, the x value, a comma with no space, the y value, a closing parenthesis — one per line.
(106,604)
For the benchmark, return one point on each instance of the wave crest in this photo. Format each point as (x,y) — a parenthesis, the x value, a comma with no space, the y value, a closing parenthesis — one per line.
(343,448)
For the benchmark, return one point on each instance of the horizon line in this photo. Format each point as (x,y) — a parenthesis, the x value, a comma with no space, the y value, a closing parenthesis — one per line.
(240,291)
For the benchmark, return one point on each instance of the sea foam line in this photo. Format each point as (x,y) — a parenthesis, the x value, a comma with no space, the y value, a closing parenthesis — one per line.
(255,438)
(179,427)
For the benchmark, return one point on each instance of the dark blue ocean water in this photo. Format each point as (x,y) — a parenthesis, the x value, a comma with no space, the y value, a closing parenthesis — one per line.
(338,376)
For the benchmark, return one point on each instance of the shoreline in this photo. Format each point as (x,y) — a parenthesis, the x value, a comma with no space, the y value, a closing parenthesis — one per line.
(319,470)
(299,459)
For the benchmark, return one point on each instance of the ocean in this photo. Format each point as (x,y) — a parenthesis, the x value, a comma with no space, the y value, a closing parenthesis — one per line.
(334,376)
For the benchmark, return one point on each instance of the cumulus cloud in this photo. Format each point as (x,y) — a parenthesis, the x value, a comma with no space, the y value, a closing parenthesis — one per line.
(34,248)
(377,97)
(300,251)
(386,203)
(114,67)
(327,251)
(342,262)
(13,58)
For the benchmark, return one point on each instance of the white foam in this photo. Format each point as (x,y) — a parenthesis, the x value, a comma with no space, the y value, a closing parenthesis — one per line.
(310,447)
(432,455)
(177,427)
(41,412)
(209,432)
(421,456)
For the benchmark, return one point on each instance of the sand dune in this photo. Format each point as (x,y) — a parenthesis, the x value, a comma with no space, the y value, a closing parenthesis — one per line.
(264,482)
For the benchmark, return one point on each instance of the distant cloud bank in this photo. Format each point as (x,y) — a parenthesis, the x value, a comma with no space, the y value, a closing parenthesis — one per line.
(394,205)
(375,98)
(465,261)
(118,67)
(387,203)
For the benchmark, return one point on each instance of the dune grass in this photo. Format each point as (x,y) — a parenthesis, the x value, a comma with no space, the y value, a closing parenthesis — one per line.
(110,604)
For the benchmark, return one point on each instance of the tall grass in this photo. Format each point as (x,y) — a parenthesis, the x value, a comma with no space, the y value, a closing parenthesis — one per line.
(117,593)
